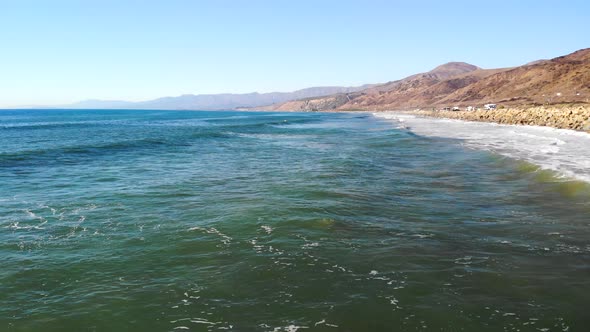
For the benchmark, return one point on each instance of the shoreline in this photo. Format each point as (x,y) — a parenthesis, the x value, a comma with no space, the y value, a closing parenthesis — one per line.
(561,150)
(573,117)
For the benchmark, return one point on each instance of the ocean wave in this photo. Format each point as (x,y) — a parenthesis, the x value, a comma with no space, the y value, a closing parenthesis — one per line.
(43,156)
(566,152)
(49,125)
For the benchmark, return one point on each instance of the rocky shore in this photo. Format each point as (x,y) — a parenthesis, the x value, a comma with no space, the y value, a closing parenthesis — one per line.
(575,117)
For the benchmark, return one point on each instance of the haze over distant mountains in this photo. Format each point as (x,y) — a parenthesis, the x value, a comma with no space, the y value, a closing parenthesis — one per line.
(224,101)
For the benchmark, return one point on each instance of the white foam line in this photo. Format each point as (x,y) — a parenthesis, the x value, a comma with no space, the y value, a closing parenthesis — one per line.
(566,152)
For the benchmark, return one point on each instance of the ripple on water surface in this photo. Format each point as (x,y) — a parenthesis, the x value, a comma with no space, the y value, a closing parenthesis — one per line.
(159,221)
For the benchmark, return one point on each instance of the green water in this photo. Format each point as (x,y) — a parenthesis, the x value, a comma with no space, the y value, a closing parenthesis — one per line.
(204,221)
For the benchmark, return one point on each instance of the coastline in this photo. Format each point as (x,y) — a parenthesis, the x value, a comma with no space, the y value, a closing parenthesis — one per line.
(567,116)
(561,150)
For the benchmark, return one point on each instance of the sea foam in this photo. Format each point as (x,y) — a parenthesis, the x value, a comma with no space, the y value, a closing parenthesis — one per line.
(566,152)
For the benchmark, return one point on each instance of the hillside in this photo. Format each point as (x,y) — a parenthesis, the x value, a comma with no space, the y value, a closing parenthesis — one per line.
(402,91)
(424,90)
(439,73)
(561,80)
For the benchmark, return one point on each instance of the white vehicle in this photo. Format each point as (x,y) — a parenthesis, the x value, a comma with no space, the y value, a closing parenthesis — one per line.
(489,106)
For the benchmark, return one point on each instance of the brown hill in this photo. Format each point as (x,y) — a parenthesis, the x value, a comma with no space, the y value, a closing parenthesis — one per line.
(561,80)
(420,92)
(379,94)
(439,73)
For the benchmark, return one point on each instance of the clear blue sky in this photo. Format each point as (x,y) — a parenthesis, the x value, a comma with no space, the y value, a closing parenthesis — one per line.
(62,51)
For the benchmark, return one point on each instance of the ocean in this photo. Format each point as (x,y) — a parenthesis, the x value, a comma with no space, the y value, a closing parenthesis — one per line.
(118,220)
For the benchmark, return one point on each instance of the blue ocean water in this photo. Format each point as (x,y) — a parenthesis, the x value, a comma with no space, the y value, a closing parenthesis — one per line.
(161,221)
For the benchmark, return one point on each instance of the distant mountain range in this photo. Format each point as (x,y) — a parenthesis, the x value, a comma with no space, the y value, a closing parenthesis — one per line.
(559,80)
(224,101)
(564,79)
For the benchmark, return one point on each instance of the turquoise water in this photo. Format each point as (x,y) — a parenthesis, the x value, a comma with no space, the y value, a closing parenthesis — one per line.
(204,221)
